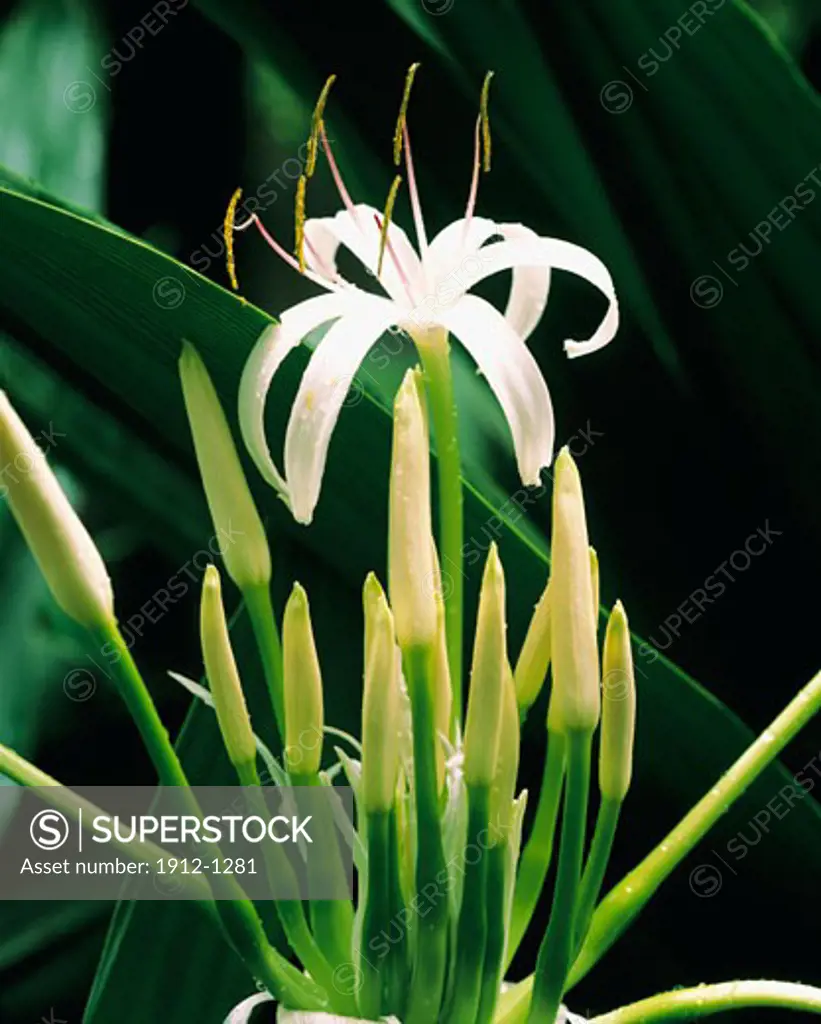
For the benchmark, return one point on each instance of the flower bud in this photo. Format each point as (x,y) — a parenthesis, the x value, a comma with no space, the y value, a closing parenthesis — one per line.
(61,545)
(534,657)
(618,708)
(223,677)
(304,718)
(241,537)
(442,692)
(575,700)
(381,706)
(503,790)
(411,569)
(488,676)
(594,584)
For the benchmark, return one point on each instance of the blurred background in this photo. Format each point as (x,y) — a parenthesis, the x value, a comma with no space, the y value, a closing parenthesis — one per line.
(664,137)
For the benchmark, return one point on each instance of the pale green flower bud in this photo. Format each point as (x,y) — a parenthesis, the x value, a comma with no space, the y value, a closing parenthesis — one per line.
(381,704)
(618,708)
(503,790)
(487,677)
(411,568)
(442,692)
(223,677)
(304,716)
(239,530)
(575,700)
(61,545)
(534,657)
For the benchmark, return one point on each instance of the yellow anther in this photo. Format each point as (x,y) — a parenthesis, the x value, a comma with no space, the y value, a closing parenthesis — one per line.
(316,127)
(299,222)
(485,121)
(386,221)
(228,232)
(403,113)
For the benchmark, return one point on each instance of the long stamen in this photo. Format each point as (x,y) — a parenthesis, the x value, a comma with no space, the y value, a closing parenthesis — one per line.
(325,282)
(386,221)
(299,222)
(317,126)
(383,227)
(416,206)
(340,184)
(481,148)
(228,234)
(399,132)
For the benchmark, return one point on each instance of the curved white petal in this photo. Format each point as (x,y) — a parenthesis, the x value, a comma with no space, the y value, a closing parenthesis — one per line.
(310,1017)
(241,1013)
(451,254)
(273,345)
(322,391)
(529,288)
(361,234)
(556,254)
(515,378)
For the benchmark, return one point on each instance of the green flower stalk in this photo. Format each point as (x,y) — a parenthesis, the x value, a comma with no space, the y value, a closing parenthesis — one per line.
(239,530)
(488,681)
(618,728)
(64,551)
(413,580)
(383,967)
(501,855)
(574,710)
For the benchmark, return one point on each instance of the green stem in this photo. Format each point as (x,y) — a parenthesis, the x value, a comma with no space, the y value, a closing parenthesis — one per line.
(596,866)
(397,955)
(332,921)
(373,994)
(261,612)
(237,918)
(689,1003)
(430,954)
(621,906)
(434,351)
(495,890)
(141,707)
(537,854)
(471,936)
(557,949)
(291,912)
(607,925)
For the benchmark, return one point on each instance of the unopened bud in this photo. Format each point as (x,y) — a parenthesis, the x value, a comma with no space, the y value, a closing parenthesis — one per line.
(223,677)
(487,677)
(380,707)
(411,569)
(534,657)
(61,545)
(575,700)
(503,789)
(304,719)
(618,708)
(241,536)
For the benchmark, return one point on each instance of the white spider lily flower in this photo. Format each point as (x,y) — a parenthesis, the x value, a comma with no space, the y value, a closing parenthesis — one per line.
(426,294)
